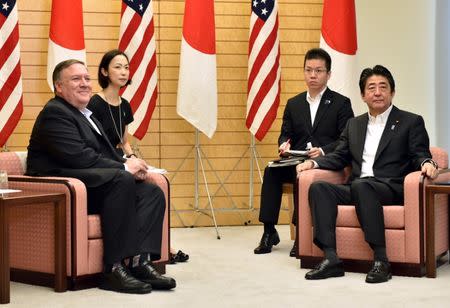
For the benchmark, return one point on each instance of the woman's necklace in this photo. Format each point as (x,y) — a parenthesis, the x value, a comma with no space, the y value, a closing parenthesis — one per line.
(118,129)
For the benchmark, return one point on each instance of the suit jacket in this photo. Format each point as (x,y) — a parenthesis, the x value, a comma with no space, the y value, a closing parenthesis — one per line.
(64,143)
(403,146)
(332,115)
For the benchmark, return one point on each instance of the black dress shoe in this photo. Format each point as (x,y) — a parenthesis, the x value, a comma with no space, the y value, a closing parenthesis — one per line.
(267,241)
(293,252)
(326,269)
(380,272)
(148,274)
(121,280)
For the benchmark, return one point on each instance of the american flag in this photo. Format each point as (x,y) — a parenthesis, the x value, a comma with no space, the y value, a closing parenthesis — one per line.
(263,67)
(137,40)
(10,74)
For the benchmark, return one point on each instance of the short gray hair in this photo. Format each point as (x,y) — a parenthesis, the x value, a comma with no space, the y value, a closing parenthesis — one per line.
(56,76)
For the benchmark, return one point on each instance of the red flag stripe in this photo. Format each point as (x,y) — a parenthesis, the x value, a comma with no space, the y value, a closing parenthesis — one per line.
(140,70)
(142,129)
(10,85)
(254,34)
(130,31)
(261,58)
(269,118)
(11,123)
(141,90)
(11,106)
(264,68)
(149,32)
(265,88)
(10,43)
(137,41)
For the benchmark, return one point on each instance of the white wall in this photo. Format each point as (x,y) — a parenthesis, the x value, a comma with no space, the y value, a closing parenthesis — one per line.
(442,73)
(400,35)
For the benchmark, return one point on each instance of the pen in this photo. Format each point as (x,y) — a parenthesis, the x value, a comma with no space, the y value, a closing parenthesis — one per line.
(286,143)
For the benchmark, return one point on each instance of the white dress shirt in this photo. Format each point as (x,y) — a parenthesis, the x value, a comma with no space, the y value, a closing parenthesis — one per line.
(375,128)
(314,103)
(87,114)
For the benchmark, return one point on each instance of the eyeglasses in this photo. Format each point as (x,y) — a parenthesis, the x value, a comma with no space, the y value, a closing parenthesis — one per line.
(317,71)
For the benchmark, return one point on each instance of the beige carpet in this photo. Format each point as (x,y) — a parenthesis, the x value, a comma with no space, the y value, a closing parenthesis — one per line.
(226,273)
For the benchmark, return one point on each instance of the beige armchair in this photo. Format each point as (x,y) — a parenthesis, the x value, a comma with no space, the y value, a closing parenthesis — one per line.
(32,233)
(404,225)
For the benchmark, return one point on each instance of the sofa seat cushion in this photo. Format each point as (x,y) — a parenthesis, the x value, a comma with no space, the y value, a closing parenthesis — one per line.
(394,216)
(94,227)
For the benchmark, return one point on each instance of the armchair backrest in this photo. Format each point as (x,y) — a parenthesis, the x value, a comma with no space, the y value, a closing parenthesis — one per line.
(440,156)
(13,162)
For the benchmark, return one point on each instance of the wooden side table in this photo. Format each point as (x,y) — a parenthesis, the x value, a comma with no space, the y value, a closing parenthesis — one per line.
(33,198)
(430,192)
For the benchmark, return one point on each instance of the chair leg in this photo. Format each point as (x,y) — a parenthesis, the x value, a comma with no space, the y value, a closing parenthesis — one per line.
(291,213)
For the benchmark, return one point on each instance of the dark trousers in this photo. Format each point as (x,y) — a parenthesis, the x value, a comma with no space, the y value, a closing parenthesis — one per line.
(367,194)
(272,191)
(132,214)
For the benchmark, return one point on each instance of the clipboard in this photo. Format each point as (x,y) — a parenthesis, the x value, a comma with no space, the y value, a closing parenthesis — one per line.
(286,161)
(298,153)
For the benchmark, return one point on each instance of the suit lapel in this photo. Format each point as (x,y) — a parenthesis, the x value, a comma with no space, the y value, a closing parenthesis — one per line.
(304,105)
(84,120)
(388,132)
(103,135)
(324,104)
(361,135)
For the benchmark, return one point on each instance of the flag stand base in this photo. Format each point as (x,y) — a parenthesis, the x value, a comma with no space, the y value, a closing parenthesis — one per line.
(254,155)
(198,159)
(199,156)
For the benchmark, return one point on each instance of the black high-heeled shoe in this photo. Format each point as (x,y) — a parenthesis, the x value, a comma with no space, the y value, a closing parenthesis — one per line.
(178,257)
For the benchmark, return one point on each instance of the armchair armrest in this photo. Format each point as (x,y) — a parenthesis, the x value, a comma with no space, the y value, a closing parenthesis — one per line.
(161,181)
(305,179)
(414,203)
(76,202)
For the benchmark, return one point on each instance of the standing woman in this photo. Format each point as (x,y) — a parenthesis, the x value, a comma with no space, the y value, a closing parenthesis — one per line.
(114,112)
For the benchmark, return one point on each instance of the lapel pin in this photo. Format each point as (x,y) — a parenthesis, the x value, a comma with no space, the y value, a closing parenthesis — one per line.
(393,125)
(327,101)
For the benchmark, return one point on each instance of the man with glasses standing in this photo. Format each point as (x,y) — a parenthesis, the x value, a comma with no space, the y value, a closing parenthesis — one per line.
(313,121)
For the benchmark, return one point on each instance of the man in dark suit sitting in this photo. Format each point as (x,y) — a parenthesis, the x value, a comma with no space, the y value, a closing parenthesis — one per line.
(312,120)
(67,141)
(382,146)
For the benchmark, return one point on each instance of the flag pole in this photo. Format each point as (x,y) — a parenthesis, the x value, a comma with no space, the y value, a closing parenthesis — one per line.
(253,159)
(198,159)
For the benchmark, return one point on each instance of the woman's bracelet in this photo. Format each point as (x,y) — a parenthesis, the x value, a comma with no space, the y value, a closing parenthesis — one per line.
(129,156)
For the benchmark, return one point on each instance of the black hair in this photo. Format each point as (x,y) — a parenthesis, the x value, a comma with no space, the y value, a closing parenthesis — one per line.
(318,53)
(379,70)
(104,64)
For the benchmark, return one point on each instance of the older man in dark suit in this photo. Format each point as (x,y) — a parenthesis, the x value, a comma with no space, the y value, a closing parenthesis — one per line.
(382,146)
(312,120)
(67,141)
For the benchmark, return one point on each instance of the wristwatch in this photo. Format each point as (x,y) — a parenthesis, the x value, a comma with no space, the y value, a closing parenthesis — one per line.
(429,160)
